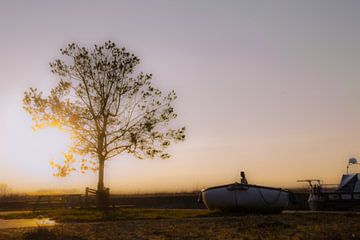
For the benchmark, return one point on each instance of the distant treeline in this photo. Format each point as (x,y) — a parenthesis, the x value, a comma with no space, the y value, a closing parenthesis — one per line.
(4,189)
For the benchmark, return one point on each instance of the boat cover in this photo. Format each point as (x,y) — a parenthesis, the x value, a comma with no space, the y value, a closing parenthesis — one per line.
(349,183)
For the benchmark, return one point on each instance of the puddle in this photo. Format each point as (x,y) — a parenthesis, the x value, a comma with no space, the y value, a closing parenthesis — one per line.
(22,223)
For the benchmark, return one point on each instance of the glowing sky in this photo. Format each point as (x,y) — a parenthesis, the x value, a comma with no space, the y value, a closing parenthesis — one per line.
(269,87)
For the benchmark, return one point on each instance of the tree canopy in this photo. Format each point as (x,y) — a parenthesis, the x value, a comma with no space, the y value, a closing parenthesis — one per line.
(106,106)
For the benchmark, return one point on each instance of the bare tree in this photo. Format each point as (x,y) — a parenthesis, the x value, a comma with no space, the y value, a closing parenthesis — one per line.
(106,106)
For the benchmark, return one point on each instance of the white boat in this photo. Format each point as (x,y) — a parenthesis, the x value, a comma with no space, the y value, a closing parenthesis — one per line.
(246,198)
(346,197)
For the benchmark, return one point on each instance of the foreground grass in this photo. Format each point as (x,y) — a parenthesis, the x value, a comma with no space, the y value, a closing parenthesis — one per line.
(189,224)
(93,215)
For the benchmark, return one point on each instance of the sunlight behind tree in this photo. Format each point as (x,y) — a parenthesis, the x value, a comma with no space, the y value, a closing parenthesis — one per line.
(106,106)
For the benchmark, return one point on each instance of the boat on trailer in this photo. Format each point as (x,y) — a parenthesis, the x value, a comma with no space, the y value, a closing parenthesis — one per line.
(244,197)
(344,197)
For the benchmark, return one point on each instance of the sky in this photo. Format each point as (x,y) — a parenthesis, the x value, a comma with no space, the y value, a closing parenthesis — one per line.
(267,87)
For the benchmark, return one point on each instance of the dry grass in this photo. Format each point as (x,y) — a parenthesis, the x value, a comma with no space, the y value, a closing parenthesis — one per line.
(198,224)
(93,215)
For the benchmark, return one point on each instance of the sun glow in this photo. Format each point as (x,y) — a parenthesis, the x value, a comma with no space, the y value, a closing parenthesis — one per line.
(52,141)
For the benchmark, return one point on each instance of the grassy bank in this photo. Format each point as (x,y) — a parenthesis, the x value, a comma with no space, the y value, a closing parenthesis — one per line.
(93,215)
(189,224)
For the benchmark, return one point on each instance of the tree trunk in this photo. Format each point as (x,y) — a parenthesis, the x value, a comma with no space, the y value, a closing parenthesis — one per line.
(101,174)
(103,195)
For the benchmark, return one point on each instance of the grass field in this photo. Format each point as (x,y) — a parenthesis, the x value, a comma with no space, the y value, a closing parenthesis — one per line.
(185,224)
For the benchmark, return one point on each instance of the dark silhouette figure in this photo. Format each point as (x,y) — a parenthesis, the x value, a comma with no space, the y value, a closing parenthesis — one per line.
(243,178)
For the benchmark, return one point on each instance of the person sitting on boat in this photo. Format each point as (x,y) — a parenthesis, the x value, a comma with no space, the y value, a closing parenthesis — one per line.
(317,189)
(243,178)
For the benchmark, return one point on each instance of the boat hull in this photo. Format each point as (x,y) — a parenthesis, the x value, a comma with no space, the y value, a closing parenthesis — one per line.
(246,198)
(334,201)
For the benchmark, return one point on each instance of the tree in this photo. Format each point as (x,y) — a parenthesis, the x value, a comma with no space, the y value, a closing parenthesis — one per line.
(106,106)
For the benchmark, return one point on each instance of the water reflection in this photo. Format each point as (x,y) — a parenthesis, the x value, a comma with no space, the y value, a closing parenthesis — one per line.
(21,223)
